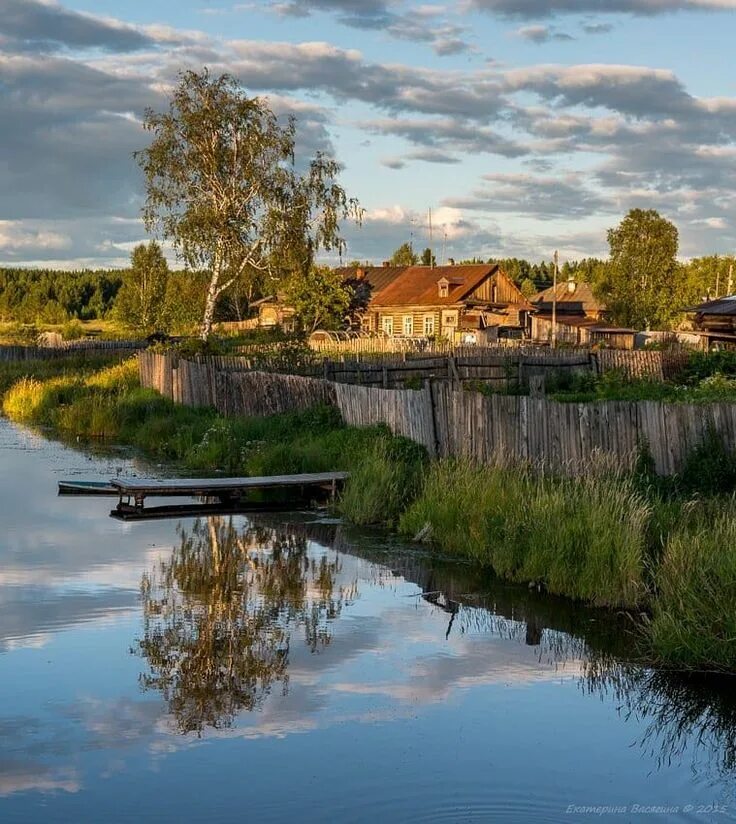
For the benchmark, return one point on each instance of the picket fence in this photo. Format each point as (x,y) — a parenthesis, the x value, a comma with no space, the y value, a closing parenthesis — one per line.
(452,422)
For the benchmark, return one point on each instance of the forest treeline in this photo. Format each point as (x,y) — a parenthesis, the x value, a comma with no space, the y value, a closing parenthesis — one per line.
(149,296)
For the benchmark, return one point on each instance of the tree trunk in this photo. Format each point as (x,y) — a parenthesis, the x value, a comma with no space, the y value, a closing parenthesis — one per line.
(209,306)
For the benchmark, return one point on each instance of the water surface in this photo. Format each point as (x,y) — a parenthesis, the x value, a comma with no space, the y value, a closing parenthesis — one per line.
(286,668)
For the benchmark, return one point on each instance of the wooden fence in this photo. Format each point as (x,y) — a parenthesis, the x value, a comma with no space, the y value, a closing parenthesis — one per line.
(452,422)
(199,382)
(81,348)
(564,437)
(492,365)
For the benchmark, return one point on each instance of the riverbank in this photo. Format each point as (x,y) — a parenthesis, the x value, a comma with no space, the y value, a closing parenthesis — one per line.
(613,540)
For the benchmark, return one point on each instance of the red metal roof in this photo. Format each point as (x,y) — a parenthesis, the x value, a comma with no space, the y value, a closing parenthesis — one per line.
(417,285)
(378,276)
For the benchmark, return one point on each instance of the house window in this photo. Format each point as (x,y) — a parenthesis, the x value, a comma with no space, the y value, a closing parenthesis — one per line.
(443,287)
(428,325)
(408,325)
(387,324)
(449,318)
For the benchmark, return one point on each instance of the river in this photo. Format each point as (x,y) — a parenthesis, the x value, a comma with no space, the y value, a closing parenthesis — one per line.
(286,668)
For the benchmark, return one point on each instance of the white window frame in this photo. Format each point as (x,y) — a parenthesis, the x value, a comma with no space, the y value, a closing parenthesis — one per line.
(408,326)
(387,325)
(428,326)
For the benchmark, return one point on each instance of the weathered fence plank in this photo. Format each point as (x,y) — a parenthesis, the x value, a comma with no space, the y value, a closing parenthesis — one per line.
(452,422)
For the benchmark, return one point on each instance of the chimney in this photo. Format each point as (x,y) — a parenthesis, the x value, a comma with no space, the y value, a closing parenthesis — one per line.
(450,261)
(386,263)
(571,285)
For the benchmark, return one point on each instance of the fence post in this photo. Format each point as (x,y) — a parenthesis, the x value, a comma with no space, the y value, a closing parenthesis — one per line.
(433,418)
(452,372)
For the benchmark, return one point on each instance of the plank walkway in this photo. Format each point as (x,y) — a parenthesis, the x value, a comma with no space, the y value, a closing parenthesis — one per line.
(225,489)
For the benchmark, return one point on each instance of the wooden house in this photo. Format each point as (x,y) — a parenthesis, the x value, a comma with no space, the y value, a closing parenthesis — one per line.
(714,321)
(580,318)
(466,304)
(273,310)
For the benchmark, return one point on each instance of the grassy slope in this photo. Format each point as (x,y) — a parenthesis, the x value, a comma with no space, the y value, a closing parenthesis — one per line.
(610,540)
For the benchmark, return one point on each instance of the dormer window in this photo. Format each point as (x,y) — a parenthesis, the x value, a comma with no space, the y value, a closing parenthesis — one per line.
(443,287)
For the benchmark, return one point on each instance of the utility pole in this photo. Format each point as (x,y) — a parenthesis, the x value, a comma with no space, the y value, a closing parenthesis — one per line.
(431,255)
(444,245)
(554,301)
(730,280)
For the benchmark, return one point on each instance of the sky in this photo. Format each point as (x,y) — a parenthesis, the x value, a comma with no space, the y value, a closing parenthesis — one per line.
(526,126)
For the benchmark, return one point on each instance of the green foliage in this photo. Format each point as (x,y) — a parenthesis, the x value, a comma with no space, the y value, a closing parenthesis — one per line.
(320,298)
(72,330)
(709,277)
(383,482)
(32,296)
(644,284)
(583,538)
(694,615)
(609,539)
(404,256)
(427,258)
(142,304)
(241,206)
(710,468)
(528,287)
(701,365)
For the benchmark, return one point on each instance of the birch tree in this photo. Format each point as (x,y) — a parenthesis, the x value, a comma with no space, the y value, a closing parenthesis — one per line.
(223,187)
(643,283)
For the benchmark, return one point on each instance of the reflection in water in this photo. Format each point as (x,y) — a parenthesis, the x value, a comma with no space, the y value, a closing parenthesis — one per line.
(220,612)
(680,712)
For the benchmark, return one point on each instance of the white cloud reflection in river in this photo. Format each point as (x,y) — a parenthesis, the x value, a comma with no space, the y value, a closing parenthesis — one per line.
(304,648)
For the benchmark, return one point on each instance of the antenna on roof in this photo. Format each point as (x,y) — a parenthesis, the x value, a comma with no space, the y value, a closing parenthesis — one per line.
(554,300)
(444,244)
(431,251)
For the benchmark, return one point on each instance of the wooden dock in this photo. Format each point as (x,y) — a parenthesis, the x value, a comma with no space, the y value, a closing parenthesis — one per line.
(133,492)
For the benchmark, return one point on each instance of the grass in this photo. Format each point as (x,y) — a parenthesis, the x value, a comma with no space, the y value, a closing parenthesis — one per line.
(693,622)
(666,548)
(582,538)
(14,332)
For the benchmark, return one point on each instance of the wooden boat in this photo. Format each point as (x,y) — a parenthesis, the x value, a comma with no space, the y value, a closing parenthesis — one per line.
(86,488)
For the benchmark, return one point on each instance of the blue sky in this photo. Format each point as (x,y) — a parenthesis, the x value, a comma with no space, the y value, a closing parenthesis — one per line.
(526,125)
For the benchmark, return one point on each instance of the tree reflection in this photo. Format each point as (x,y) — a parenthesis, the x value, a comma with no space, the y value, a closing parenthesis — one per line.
(219,616)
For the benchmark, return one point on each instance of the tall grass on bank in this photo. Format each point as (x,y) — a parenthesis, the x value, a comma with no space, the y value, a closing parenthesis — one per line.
(694,613)
(384,482)
(76,365)
(584,538)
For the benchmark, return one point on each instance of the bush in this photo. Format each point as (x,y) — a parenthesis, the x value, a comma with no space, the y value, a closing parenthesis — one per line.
(72,330)
(710,468)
